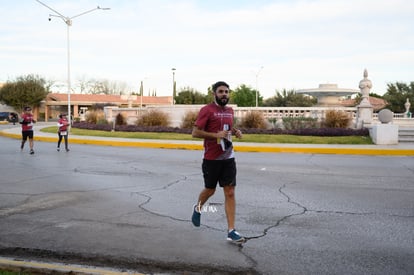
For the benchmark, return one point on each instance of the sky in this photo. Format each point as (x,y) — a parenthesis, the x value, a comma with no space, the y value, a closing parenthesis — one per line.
(266,45)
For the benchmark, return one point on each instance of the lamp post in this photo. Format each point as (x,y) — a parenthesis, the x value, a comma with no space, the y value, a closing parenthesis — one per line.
(257,86)
(68,21)
(173,72)
(141,90)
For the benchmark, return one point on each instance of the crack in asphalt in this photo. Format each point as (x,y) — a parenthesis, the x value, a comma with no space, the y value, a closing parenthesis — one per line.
(49,200)
(44,201)
(144,194)
(304,210)
(253,263)
(278,222)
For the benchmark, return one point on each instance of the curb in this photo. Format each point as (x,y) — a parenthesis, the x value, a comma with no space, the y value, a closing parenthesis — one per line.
(240,147)
(23,266)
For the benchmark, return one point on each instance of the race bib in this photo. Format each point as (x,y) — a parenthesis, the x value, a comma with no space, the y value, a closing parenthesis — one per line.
(64,133)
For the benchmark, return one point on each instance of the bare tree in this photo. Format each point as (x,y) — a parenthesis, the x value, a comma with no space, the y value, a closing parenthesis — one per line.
(83,84)
(104,86)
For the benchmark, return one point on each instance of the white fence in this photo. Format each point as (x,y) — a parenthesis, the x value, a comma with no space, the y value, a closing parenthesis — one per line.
(281,112)
(274,114)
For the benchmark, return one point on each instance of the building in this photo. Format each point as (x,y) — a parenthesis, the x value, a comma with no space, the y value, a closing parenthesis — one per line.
(56,103)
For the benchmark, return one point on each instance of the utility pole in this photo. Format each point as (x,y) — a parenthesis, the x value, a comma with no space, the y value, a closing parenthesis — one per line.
(68,21)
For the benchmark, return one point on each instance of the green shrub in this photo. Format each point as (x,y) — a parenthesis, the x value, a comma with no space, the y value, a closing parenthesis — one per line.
(189,119)
(337,119)
(272,121)
(253,119)
(293,123)
(153,118)
(120,119)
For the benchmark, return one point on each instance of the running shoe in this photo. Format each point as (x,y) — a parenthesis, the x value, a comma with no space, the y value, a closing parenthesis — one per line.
(196,217)
(31,151)
(234,236)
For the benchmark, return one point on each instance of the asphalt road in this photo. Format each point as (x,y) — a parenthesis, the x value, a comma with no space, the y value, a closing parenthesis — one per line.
(129,208)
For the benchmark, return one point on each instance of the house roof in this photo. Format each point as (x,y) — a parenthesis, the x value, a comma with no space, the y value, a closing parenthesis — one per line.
(377,103)
(89,99)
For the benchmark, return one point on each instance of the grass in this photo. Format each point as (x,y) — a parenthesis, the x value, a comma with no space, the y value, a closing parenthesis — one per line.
(5,272)
(259,138)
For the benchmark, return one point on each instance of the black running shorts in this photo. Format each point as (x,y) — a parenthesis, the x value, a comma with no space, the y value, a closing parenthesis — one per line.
(27,134)
(219,171)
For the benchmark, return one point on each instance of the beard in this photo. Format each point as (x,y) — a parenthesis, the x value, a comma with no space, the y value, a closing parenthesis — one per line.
(222,101)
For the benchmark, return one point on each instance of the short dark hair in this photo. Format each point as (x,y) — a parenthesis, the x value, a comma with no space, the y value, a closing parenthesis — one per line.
(218,84)
(27,108)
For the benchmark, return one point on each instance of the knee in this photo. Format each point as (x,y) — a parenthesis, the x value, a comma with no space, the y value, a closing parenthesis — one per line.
(229,191)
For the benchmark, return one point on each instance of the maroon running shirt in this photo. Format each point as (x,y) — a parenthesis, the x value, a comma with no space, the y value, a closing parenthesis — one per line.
(28,121)
(212,118)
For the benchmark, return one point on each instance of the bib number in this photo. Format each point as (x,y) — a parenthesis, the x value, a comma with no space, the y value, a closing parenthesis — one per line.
(64,133)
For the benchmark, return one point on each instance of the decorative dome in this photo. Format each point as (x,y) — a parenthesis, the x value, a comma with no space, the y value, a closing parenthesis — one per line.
(328,94)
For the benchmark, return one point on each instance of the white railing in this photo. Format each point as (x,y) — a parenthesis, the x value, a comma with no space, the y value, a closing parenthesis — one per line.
(281,112)
(177,113)
(396,116)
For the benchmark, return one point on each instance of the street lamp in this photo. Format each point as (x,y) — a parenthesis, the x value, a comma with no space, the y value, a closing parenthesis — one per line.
(68,22)
(257,86)
(141,90)
(173,72)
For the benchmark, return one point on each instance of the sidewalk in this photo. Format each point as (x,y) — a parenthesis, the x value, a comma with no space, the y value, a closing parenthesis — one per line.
(402,149)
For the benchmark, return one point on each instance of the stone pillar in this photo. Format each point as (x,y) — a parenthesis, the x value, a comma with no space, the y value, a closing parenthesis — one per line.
(364,109)
(46,113)
(75,110)
(385,133)
(108,110)
(129,101)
